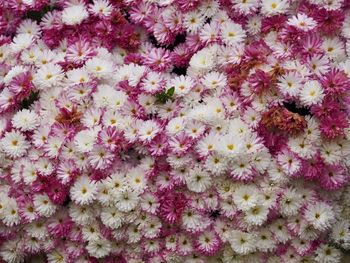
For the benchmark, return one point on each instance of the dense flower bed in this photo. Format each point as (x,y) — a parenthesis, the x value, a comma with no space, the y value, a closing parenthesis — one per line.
(174,130)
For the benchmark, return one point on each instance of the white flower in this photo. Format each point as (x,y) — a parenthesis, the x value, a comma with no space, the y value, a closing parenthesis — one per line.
(25,120)
(246,197)
(82,215)
(198,180)
(175,125)
(48,75)
(214,80)
(30,27)
(274,7)
(289,84)
(85,139)
(130,72)
(265,241)
(147,130)
(290,203)
(341,234)
(43,205)
(320,215)
(289,162)
(193,20)
(10,214)
(14,144)
(334,48)
(241,242)
(126,200)
(182,85)
(137,179)
(74,14)
(10,253)
(331,152)
(203,60)
(232,33)
(99,248)
(311,93)
(245,7)
(256,215)
(280,231)
(101,8)
(111,217)
(327,254)
(230,145)
(77,76)
(100,68)
(83,191)
(21,42)
(302,22)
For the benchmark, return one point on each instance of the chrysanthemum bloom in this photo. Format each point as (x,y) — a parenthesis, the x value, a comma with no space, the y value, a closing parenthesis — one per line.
(174,131)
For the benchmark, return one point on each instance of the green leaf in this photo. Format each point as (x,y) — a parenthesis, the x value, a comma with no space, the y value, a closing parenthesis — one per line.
(164,96)
(170,91)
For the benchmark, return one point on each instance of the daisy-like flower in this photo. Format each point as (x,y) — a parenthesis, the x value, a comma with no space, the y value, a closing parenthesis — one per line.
(100,157)
(327,254)
(320,215)
(257,215)
(230,146)
(208,243)
(21,42)
(101,8)
(85,139)
(232,33)
(99,248)
(290,203)
(74,14)
(137,180)
(14,144)
(126,200)
(203,60)
(193,21)
(289,162)
(25,120)
(148,130)
(302,21)
(290,84)
(100,68)
(214,80)
(311,93)
(83,191)
(245,7)
(242,242)
(48,76)
(198,180)
(246,197)
(274,7)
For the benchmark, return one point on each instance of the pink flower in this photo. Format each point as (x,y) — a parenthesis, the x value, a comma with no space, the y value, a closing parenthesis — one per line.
(333,177)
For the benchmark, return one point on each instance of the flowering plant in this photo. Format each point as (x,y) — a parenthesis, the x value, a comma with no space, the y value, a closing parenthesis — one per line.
(174,131)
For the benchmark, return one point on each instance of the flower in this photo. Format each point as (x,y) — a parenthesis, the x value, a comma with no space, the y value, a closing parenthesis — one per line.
(83,191)
(319,215)
(74,14)
(326,253)
(25,120)
(232,33)
(14,144)
(174,131)
(241,242)
(311,93)
(302,21)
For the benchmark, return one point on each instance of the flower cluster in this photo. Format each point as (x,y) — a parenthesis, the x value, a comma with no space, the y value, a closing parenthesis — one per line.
(174,131)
